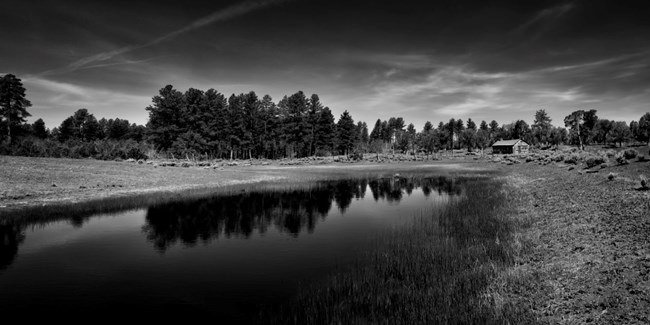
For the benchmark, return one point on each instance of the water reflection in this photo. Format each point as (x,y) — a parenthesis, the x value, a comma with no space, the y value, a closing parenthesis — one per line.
(292,212)
(11,235)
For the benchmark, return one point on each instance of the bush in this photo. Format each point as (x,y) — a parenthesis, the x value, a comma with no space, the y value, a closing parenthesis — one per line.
(558,157)
(630,153)
(641,158)
(356,156)
(593,161)
(620,159)
(572,159)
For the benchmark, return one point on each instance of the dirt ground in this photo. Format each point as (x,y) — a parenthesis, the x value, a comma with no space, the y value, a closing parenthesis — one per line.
(585,250)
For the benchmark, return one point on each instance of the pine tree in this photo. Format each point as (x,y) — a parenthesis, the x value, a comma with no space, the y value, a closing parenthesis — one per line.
(39,130)
(324,132)
(376,131)
(13,103)
(541,126)
(471,125)
(345,133)
(235,121)
(165,117)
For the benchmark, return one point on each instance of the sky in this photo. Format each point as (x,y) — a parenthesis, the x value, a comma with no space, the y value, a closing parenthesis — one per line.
(420,60)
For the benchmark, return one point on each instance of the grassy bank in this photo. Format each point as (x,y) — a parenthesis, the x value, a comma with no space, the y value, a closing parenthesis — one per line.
(36,182)
(437,270)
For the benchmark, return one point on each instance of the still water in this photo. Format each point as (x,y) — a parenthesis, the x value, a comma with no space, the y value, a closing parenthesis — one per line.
(225,257)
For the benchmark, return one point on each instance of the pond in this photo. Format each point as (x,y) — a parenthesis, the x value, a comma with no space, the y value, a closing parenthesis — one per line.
(226,256)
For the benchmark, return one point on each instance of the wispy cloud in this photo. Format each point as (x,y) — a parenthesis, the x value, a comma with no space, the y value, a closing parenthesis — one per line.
(52,100)
(542,21)
(215,17)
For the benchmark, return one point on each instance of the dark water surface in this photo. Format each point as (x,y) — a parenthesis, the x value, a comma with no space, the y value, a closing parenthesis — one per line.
(223,257)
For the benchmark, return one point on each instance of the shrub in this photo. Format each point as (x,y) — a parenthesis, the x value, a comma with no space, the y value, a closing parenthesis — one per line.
(644,181)
(630,153)
(620,159)
(593,161)
(558,157)
(572,159)
(641,158)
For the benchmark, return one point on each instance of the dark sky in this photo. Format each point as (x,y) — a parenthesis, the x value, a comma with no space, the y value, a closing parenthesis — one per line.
(422,60)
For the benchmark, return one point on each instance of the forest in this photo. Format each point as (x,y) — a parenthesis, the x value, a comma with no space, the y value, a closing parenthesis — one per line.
(207,124)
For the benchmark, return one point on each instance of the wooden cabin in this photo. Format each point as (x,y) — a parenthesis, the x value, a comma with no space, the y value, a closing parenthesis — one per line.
(510,146)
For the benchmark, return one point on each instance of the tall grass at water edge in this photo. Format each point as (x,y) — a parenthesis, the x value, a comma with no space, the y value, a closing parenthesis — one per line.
(435,271)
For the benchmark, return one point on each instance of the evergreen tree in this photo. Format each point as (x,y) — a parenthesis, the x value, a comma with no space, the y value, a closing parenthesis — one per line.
(451,132)
(634,129)
(541,127)
(521,130)
(410,137)
(216,122)
(39,130)
(325,132)
(66,130)
(313,112)
(483,126)
(235,122)
(428,127)
(13,104)
(296,124)
(644,128)
(345,133)
(252,123)
(468,138)
(471,125)
(376,131)
(117,129)
(164,124)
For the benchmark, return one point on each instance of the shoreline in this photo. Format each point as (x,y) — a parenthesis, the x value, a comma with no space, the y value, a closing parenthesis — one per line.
(27,182)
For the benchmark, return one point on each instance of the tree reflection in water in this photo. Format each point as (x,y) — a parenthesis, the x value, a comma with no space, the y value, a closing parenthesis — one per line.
(12,234)
(290,211)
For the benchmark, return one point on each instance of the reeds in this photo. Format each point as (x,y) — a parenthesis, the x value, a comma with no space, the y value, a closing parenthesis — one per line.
(435,271)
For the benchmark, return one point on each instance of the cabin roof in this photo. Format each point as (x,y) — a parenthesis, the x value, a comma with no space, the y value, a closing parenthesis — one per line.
(508,143)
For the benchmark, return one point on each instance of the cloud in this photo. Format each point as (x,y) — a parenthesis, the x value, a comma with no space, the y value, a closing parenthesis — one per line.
(217,16)
(438,88)
(52,100)
(542,21)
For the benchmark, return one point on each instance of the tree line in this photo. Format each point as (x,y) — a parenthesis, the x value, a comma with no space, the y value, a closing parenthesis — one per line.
(198,123)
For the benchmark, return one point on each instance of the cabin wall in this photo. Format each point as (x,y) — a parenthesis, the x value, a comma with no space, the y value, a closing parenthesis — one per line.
(521,148)
(502,150)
